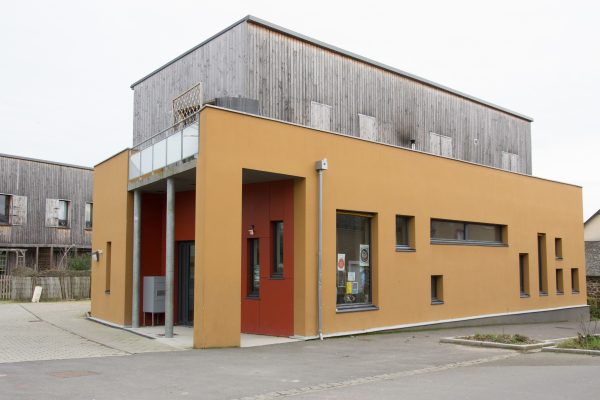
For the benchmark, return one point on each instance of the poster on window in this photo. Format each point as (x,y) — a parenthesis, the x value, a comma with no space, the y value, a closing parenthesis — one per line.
(364,255)
(341,262)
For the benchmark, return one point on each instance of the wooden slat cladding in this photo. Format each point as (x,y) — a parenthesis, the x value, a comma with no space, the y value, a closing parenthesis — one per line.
(286,74)
(38,181)
(219,65)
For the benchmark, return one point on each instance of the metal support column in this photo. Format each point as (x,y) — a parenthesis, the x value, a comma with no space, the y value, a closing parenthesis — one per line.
(170,258)
(135,293)
(320,167)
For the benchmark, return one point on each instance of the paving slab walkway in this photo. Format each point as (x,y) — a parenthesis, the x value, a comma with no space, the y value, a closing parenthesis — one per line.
(51,331)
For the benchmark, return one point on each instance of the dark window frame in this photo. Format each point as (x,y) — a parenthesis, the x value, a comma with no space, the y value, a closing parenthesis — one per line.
(64,223)
(369,304)
(253,287)
(524,275)
(558,250)
(437,289)
(5,216)
(560,283)
(542,265)
(406,222)
(575,280)
(88,225)
(278,250)
(465,240)
(108,270)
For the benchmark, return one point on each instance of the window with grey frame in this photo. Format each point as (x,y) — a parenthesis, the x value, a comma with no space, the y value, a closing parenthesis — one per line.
(461,232)
(404,239)
(354,267)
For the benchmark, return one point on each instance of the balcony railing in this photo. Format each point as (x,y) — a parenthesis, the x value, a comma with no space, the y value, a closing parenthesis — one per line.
(176,143)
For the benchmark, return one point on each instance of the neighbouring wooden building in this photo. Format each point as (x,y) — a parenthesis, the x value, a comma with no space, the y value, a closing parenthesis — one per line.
(281,186)
(45,212)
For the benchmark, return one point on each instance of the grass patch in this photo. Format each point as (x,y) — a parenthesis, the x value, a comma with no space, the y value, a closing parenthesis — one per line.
(581,342)
(594,309)
(503,338)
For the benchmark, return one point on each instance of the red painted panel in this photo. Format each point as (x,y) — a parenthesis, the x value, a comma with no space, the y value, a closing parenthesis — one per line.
(153,235)
(262,204)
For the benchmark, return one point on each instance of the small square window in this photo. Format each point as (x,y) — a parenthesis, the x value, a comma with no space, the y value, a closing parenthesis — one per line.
(437,289)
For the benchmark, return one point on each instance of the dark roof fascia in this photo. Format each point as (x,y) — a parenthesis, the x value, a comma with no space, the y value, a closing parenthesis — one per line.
(345,53)
(45,162)
(592,217)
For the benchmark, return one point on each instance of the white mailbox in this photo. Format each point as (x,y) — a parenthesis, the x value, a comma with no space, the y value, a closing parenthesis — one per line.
(154,294)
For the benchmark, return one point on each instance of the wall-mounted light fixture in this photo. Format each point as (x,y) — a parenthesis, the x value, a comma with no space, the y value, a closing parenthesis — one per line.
(96,255)
(251,230)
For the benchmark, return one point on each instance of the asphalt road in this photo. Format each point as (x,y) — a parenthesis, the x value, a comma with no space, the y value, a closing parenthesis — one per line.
(50,351)
(387,366)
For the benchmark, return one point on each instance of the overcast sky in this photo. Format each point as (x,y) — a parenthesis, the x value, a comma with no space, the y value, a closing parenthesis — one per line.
(66,66)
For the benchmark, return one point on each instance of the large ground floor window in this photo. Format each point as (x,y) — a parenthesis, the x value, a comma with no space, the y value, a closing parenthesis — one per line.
(353,264)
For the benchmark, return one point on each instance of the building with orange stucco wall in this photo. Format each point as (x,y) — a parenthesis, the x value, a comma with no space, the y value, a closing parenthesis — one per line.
(260,216)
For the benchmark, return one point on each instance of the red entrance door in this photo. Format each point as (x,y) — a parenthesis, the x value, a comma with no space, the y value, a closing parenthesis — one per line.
(267,258)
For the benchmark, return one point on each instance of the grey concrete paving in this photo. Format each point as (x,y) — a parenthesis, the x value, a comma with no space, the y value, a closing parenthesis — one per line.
(386,366)
(379,366)
(51,331)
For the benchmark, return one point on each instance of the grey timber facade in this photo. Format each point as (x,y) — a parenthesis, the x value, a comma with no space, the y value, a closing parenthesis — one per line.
(45,212)
(286,76)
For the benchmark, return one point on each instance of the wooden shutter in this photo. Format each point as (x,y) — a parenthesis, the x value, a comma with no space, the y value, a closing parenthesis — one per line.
(514,162)
(18,210)
(446,146)
(505,160)
(320,116)
(434,143)
(52,206)
(367,127)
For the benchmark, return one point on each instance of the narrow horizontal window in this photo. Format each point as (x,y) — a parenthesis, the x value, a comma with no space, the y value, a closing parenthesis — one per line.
(443,231)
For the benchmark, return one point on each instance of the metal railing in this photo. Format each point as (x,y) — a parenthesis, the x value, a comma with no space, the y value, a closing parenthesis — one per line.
(174,144)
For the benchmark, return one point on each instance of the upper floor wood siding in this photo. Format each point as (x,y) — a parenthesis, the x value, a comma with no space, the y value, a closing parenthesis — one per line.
(286,72)
(40,182)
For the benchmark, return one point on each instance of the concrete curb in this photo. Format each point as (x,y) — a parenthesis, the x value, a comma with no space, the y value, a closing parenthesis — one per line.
(555,349)
(476,343)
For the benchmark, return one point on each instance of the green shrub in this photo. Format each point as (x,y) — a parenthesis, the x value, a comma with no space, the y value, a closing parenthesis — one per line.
(594,309)
(80,263)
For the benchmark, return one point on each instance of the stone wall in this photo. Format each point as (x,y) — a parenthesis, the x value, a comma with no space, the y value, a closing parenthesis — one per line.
(593,288)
